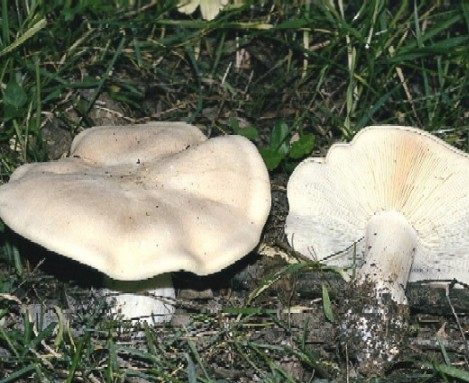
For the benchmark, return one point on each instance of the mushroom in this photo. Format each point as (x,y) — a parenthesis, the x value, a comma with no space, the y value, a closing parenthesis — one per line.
(393,206)
(138,201)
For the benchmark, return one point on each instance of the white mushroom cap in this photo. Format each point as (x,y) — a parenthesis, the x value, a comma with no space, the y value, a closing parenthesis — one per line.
(384,169)
(142,200)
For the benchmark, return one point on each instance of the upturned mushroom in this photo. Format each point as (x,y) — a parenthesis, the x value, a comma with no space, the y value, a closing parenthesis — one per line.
(138,201)
(393,206)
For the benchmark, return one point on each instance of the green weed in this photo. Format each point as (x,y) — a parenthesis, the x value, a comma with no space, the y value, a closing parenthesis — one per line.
(284,147)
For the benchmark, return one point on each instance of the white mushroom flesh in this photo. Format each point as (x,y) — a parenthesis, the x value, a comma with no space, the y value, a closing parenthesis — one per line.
(391,243)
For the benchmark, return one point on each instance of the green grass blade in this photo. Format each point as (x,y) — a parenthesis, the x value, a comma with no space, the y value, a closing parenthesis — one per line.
(24,37)
(327,305)
(18,374)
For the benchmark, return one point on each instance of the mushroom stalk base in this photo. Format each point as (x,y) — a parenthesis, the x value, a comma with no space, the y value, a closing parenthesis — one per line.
(150,300)
(375,317)
(372,330)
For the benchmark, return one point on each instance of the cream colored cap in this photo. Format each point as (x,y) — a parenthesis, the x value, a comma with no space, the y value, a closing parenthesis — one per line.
(137,201)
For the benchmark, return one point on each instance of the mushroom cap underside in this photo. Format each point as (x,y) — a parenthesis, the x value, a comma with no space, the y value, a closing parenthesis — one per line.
(384,168)
(133,214)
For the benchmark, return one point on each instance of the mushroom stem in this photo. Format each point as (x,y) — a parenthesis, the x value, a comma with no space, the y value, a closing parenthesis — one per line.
(150,300)
(375,321)
(391,243)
